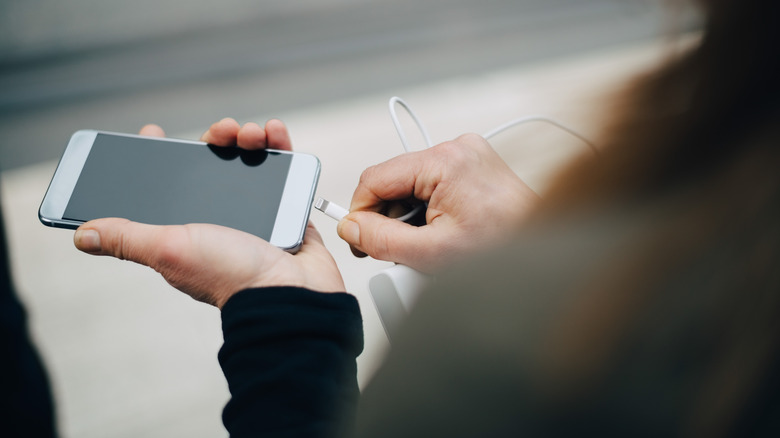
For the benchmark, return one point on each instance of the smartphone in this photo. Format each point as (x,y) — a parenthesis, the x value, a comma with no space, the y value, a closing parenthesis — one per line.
(165,181)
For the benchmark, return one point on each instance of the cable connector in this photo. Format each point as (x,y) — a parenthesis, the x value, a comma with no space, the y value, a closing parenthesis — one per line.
(332,210)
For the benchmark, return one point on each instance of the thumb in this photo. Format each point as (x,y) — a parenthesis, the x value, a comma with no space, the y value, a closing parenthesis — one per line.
(120,238)
(388,239)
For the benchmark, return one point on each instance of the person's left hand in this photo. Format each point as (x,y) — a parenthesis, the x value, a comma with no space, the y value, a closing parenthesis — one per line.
(210,262)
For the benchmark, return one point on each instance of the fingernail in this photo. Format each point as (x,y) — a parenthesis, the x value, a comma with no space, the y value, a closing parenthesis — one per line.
(87,241)
(349,231)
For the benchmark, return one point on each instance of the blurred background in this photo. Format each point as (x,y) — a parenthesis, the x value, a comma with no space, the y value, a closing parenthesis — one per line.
(127,355)
(114,65)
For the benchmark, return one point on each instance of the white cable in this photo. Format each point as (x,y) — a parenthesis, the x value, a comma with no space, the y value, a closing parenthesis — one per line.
(536,118)
(397,100)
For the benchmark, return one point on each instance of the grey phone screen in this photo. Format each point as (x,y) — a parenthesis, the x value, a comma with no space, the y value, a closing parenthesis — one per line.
(163,183)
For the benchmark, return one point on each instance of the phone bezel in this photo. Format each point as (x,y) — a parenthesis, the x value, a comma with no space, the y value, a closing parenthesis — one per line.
(293,212)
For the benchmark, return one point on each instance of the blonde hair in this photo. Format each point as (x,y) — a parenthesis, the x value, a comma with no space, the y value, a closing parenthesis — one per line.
(701,138)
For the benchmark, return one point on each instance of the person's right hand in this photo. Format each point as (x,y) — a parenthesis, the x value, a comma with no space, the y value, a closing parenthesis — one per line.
(473,198)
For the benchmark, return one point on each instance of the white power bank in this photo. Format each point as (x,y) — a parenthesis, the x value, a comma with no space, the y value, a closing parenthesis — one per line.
(395,291)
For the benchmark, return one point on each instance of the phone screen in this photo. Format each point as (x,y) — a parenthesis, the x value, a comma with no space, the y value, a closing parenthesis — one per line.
(163,183)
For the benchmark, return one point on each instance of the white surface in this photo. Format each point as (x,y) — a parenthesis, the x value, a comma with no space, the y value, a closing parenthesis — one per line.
(131,357)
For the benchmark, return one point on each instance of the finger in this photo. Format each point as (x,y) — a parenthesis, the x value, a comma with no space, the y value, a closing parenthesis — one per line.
(394,179)
(127,240)
(251,136)
(389,239)
(278,136)
(222,133)
(152,130)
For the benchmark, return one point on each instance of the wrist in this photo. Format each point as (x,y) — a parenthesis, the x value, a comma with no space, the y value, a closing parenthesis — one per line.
(276,293)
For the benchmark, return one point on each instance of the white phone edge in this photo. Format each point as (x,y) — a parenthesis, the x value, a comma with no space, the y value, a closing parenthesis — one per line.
(64,180)
(287,234)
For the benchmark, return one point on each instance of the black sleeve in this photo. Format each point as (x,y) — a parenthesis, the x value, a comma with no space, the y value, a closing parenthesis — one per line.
(26,404)
(290,361)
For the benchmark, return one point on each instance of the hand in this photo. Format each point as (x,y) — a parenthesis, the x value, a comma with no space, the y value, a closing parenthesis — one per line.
(473,198)
(210,262)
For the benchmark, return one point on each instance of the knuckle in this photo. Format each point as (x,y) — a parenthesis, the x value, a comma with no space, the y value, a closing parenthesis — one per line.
(368,175)
(472,144)
(444,152)
(454,153)
(118,242)
(471,138)
(447,148)
(379,243)
(119,247)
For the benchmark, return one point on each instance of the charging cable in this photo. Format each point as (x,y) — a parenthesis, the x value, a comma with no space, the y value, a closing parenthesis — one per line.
(337,212)
(394,116)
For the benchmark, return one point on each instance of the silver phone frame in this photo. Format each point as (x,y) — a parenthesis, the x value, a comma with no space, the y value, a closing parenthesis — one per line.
(291,219)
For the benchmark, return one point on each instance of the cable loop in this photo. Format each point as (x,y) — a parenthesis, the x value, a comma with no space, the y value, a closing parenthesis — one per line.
(404,142)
